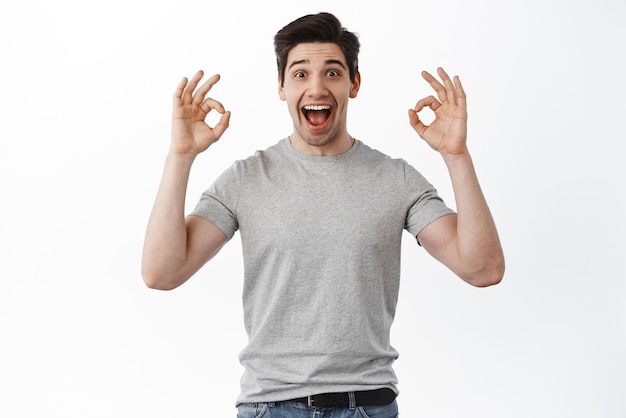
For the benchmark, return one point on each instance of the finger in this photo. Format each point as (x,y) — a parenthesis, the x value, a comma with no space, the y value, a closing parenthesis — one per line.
(416,123)
(436,85)
(191,86)
(460,92)
(414,119)
(210,104)
(222,125)
(429,101)
(198,96)
(178,93)
(450,90)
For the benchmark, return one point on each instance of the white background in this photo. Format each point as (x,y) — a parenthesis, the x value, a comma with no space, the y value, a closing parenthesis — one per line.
(85,95)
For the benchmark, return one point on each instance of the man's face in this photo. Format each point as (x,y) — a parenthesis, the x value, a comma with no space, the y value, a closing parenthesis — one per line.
(317,88)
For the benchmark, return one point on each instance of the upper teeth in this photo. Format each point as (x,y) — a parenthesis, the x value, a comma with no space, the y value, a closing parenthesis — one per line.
(316,107)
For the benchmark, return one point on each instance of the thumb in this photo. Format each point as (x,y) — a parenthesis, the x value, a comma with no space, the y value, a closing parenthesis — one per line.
(416,123)
(222,125)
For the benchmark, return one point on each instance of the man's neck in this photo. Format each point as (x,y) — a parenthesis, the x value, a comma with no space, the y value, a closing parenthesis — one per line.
(336,146)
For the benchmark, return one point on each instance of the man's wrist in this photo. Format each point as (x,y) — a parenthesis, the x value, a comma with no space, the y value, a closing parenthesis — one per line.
(179,159)
(462,157)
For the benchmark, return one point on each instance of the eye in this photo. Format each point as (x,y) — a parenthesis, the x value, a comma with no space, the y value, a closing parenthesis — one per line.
(333,73)
(299,74)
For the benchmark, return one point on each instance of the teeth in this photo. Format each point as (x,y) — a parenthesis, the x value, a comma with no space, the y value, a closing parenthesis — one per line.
(316,107)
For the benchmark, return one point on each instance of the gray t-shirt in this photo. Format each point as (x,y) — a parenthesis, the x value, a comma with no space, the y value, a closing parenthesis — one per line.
(321,249)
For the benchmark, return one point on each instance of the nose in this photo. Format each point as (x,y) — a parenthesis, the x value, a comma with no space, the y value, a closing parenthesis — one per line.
(317,87)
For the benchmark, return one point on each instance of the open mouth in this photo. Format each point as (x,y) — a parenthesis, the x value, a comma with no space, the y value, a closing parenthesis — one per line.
(316,115)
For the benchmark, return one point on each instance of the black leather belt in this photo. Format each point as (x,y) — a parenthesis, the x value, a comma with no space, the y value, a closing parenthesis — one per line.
(378,397)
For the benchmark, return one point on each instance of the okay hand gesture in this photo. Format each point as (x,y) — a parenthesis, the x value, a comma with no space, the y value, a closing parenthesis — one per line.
(447,134)
(190,133)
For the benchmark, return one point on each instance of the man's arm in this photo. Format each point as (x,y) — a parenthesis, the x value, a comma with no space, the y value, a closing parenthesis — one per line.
(175,247)
(467,242)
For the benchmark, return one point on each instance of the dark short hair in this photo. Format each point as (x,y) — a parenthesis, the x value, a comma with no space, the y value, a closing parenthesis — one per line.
(320,27)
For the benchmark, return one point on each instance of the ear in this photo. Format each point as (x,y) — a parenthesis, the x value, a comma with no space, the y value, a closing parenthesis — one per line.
(281,90)
(356,84)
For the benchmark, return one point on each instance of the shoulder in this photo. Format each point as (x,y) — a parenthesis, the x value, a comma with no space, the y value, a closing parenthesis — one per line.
(260,165)
(252,163)
(260,157)
(376,158)
(365,152)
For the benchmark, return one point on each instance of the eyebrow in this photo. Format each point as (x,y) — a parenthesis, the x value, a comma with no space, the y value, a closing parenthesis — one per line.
(327,62)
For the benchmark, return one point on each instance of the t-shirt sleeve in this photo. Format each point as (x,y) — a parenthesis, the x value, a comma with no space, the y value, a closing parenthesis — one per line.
(218,204)
(425,204)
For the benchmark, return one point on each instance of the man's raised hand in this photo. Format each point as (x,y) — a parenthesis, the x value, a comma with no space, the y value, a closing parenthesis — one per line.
(448,132)
(191,134)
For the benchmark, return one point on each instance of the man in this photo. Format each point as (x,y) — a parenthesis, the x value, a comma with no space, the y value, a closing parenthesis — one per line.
(321,217)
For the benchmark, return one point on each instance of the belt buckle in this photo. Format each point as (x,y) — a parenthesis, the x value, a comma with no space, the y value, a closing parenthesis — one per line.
(310,401)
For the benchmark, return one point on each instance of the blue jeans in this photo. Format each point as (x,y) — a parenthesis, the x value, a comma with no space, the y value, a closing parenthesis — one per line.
(298,410)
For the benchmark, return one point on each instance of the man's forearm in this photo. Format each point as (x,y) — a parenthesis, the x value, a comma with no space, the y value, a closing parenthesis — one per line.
(165,244)
(477,237)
